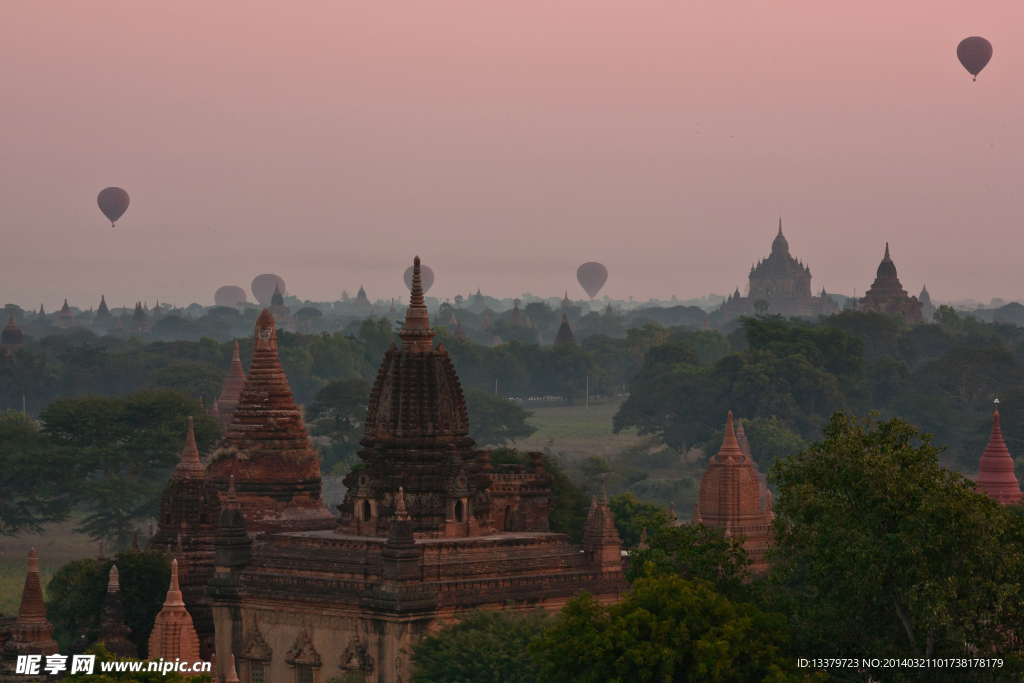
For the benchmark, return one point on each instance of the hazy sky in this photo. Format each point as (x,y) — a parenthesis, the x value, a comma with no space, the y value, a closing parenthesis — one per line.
(506,143)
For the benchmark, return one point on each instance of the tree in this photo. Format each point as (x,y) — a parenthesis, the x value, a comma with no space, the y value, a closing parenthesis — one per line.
(894,555)
(195,380)
(339,413)
(482,647)
(36,477)
(495,421)
(633,516)
(667,629)
(693,552)
(122,447)
(376,335)
(75,595)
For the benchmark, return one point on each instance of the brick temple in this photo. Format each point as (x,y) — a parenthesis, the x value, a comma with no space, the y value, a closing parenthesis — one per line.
(784,282)
(730,497)
(887,295)
(428,529)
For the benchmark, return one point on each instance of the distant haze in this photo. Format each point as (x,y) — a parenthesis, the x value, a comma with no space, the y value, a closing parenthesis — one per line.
(505,143)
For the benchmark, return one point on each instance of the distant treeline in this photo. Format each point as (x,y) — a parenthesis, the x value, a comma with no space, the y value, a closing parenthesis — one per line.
(942,376)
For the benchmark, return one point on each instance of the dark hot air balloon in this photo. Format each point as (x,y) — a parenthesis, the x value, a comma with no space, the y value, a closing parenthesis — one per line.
(229,295)
(592,277)
(974,53)
(263,287)
(113,202)
(426,277)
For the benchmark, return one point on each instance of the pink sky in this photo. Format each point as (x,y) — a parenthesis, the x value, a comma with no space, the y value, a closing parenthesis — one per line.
(506,143)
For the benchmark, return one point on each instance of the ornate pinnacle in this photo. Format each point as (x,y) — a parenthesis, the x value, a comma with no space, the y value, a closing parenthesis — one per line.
(417,335)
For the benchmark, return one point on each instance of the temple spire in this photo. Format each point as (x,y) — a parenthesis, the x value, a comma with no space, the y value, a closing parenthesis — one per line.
(190,466)
(416,334)
(32,609)
(730,452)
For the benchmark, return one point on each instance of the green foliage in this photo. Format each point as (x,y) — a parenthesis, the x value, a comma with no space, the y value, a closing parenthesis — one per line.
(122,448)
(482,647)
(693,552)
(886,552)
(195,380)
(36,477)
(495,421)
(666,629)
(339,413)
(633,516)
(75,594)
(787,373)
(376,335)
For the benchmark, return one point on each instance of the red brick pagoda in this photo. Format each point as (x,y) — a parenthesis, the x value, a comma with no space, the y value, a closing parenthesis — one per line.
(233,384)
(429,528)
(730,497)
(31,633)
(995,469)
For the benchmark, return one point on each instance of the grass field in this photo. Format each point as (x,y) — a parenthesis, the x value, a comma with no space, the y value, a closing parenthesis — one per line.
(576,430)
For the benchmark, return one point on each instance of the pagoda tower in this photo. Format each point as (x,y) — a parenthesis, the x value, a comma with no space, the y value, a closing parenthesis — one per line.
(416,422)
(113,632)
(31,633)
(516,317)
(566,301)
(103,317)
(173,635)
(140,321)
(267,449)
(886,294)
(65,318)
(565,335)
(11,338)
(41,317)
(186,525)
(460,333)
(232,388)
(995,469)
(479,305)
(927,308)
(429,529)
(730,497)
(282,314)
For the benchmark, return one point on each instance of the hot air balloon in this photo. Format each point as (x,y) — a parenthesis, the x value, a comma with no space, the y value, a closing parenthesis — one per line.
(113,202)
(426,277)
(592,276)
(263,287)
(974,53)
(229,295)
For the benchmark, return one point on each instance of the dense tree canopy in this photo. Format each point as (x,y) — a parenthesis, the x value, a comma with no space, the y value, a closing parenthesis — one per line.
(496,421)
(667,629)
(482,647)
(339,414)
(122,447)
(891,554)
(36,477)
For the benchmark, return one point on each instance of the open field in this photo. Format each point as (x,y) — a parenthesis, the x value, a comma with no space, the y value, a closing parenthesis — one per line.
(577,431)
